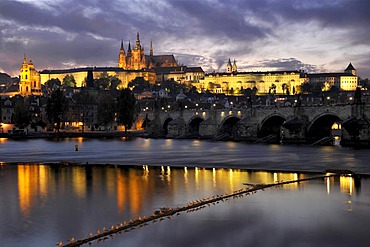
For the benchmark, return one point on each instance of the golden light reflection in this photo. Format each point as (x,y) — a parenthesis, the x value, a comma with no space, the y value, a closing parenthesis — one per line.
(214,177)
(329,182)
(3,140)
(185,175)
(168,175)
(196,173)
(121,192)
(346,184)
(80,139)
(32,181)
(231,179)
(135,187)
(79,182)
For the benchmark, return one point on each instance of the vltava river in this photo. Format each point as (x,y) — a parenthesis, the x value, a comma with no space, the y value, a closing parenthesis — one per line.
(41,205)
(186,153)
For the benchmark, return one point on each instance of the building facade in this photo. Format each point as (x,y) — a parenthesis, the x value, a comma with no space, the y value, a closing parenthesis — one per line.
(347,81)
(234,82)
(29,79)
(276,82)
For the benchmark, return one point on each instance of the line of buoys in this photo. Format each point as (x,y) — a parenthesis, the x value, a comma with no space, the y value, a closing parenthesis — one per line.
(164,213)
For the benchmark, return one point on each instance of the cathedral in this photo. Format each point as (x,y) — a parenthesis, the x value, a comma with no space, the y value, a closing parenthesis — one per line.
(135,59)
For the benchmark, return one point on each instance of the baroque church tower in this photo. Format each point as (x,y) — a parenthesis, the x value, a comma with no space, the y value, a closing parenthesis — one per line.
(29,79)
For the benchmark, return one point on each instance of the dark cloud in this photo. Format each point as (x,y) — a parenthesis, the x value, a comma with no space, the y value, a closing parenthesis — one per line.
(204,33)
(288,64)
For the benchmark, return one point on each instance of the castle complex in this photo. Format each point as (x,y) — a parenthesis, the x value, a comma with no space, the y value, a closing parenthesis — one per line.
(156,68)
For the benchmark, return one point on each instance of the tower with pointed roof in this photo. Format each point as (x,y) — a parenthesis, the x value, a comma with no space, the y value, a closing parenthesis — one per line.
(351,70)
(29,79)
(122,57)
(135,58)
(234,68)
(229,67)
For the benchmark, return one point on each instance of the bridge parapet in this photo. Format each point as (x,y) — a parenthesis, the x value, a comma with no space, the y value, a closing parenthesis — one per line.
(254,123)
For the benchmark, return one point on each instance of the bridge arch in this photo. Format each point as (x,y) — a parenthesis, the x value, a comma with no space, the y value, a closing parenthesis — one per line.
(321,126)
(193,126)
(165,125)
(227,125)
(271,126)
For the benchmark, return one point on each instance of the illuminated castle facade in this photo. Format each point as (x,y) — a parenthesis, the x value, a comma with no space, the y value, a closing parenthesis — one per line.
(30,80)
(135,58)
(277,82)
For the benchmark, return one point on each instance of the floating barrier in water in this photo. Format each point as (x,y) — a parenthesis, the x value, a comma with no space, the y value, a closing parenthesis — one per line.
(167,213)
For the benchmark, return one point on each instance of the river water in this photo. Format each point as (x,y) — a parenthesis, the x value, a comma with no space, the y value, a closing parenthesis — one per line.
(42,204)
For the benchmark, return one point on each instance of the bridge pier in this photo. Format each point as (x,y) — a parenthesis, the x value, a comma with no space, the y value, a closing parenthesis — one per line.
(356,129)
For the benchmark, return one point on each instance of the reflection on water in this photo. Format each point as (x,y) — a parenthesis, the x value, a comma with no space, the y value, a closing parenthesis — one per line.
(57,202)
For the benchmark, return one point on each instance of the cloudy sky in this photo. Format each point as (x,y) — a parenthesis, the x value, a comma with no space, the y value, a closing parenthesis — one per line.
(261,35)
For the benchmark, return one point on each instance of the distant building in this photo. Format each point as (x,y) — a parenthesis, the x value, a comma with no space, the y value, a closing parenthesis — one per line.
(80,75)
(180,74)
(234,82)
(30,82)
(347,81)
(276,82)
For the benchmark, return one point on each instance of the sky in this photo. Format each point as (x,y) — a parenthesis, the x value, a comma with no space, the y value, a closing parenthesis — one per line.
(261,35)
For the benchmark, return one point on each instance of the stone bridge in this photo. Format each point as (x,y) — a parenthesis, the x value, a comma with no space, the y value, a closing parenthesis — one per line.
(297,124)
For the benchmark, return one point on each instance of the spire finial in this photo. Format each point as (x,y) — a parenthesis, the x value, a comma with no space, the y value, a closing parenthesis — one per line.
(137,41)
(151,48)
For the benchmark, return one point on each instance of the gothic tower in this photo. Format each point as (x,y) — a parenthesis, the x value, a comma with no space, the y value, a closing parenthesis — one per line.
(122,57)
(229,67)
(234,68)
(137,60)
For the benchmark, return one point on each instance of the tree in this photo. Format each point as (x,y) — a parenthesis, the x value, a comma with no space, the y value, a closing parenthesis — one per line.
(52,84)
(56,108)
(102,83)
(21,117)
(126,108)
(106,109)
(139,84)
(69,81)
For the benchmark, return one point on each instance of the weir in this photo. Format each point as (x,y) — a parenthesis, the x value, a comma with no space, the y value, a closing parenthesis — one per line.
(191,206)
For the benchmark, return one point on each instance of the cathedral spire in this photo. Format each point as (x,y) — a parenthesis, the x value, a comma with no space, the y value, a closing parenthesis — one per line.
(229,66)
(24,59)
(137,47)
(122,44)
(129,47)
(151,48)
(234,68)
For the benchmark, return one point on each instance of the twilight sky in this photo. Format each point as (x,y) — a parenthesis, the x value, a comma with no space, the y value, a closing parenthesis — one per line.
(261,35)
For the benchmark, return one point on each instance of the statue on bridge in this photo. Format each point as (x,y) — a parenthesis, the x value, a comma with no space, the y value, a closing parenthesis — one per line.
(357,100)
